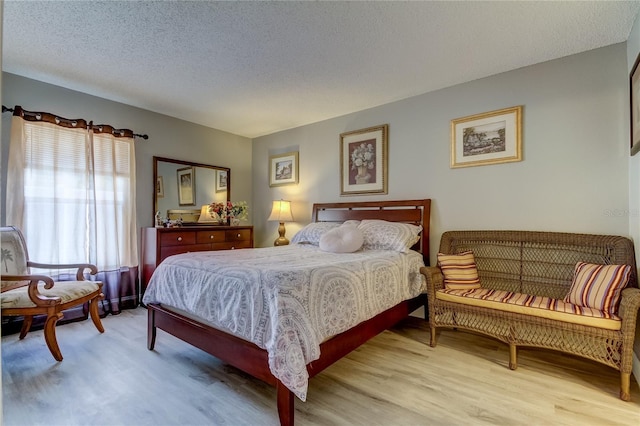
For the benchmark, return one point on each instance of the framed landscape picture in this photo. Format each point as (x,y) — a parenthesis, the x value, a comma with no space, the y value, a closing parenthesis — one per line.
(186,186)
(221,180)
(283,169)
(488,138)
(159,187)
(363,161)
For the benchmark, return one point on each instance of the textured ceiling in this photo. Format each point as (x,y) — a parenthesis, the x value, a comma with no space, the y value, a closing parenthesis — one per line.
(254,68)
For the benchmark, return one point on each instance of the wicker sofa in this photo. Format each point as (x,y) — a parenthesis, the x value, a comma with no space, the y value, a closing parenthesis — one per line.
(538,264)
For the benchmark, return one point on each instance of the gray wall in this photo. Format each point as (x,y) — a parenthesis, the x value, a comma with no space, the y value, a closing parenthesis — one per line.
(168,137)
(574,176)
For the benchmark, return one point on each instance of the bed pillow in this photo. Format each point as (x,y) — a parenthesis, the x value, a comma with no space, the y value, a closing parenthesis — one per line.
(343,239)
(459,270)
(311,233)
(383,235)
(598,286)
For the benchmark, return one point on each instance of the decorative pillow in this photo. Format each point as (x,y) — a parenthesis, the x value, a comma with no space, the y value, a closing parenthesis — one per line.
(383,235)
(343,239)
(598,286)
(459,270)
(311,233)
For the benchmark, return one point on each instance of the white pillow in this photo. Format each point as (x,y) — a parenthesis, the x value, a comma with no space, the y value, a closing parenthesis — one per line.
(383,235)
(344,239)
(311,233)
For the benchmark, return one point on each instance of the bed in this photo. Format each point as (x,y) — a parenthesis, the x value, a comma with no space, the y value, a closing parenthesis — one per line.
(287,356)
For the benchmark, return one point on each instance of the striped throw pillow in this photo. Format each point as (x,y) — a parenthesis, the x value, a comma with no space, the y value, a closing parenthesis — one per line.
(598,286)
(459,270)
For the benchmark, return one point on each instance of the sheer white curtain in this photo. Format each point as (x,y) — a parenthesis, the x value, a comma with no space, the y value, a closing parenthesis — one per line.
(71,190)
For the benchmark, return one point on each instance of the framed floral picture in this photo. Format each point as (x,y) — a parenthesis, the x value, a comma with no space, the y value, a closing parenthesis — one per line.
(488,138)
(186,186)
(221,180)
(634,85)
(283,169)
(363,161)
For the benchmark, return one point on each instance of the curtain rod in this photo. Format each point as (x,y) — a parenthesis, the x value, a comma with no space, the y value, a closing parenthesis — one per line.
(5,109)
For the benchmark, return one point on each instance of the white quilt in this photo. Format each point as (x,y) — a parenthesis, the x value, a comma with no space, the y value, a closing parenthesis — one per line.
(288,299)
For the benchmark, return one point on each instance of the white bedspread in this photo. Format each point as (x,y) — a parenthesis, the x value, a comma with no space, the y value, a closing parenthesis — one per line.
(288,299)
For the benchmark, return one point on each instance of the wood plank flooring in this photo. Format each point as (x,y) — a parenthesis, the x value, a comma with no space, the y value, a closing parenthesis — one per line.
(395,379)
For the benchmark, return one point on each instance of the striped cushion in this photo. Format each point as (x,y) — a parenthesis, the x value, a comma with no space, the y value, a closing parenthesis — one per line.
(539,306)
(459,270)
(598,286)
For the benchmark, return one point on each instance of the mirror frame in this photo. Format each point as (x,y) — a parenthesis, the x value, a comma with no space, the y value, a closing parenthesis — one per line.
(185,163)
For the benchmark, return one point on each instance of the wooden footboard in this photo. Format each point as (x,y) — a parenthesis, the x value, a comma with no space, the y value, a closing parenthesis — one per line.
(253,360)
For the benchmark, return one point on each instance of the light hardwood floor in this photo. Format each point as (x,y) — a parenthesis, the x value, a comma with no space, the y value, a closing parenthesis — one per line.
(395,379)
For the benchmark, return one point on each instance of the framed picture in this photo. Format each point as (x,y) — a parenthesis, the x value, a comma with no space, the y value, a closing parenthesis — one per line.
(186,186)
(221,180)
(488,138)
(634,85)
(283,169)
(159,187)
(363,161)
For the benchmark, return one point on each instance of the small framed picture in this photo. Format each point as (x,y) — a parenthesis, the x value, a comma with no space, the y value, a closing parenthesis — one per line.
(221,180)
(489,138)
(283,169)
(363,161)
(634,85)
(159,187)
(186,186)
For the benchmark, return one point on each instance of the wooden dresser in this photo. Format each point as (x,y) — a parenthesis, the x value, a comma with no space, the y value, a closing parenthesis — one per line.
(159,243)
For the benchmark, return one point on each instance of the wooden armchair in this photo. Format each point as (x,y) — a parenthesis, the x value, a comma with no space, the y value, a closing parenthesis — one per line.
(23,294)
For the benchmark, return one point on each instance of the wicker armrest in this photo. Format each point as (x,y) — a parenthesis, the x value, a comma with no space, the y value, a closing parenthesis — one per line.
(434,278)
(80,266)
(629,305)
(34,294)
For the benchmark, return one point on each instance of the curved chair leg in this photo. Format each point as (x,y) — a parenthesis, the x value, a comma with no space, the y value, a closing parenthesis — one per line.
(625,386)
(50,335)
(26,326)
(95,317)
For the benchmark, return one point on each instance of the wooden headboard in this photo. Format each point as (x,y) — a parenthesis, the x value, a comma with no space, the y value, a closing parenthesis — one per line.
(417,212)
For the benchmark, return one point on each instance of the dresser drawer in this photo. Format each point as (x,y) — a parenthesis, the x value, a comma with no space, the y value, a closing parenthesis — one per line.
(177,238)
(231,245)
(171,250)
(203,237)
(238,235)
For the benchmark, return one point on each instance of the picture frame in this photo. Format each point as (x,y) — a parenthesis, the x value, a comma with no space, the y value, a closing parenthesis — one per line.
(159,187)
(363,161)
(186,186)
(221,180)
(634,98)
(488,138)
(283,169)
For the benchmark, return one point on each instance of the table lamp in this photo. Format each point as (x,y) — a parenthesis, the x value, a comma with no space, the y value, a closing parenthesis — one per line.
(281,211)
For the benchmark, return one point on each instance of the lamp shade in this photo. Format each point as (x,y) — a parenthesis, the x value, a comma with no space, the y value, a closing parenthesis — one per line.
(281,211)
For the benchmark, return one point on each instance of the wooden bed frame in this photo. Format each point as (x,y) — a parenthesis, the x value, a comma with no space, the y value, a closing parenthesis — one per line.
(253,360)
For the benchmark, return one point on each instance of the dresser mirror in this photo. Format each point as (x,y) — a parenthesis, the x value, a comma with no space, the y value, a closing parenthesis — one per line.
(184,187)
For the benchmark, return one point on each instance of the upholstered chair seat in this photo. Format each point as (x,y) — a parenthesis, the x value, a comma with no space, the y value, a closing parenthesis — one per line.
(27,295)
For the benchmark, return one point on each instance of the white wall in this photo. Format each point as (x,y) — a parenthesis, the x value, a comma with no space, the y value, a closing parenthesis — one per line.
(168,137)
(574,176)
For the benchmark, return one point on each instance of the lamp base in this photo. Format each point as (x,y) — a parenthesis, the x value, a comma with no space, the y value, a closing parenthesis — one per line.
(281,241)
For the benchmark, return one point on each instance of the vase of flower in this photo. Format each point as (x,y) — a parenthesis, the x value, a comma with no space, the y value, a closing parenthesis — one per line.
(362,160)
(235,221)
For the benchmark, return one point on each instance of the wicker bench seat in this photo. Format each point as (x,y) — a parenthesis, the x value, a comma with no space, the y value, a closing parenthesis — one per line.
(524,277)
